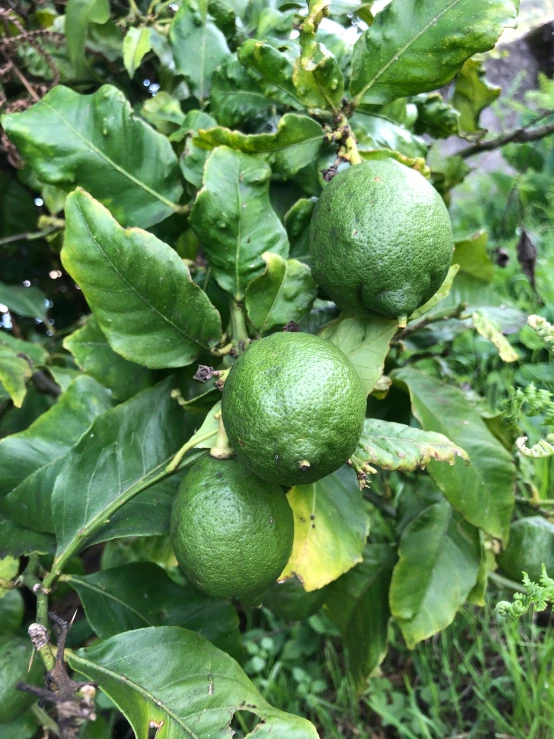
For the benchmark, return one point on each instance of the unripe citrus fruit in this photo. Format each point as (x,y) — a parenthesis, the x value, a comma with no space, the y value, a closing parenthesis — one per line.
(232,532)
(380,239)
(15,655)
(293,408)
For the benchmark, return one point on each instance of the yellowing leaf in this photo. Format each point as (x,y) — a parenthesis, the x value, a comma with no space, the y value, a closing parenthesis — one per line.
(489,330)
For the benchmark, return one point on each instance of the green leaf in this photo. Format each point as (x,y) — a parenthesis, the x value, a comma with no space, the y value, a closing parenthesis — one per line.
(163,112)
(317,75)
(297,222)
(18,541)
(237,96)
(14,373)
(141,594)
(285,292)
(123,451)
(394,446)
(25,301)
(36,354)
(483,490)
(358,604)
(194,158)
(442,293)
(95,356)
(78,14)
(294,145)
(531,546)
(435,117)
(96,142)
(31,460)
(376,133)
(330,529)
(273,68)
(472,94)
(365,341)
(140,291)
(12,609)
(234,219)
(199,47)
(411,49)
(136,45)
(176,678)
(490,330)
(471,255)
(24,727)
(439,558)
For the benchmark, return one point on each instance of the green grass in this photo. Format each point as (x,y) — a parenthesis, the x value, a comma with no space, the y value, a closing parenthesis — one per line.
(478,678)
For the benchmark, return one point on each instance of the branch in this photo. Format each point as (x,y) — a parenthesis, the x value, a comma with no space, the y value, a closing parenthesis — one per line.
(519,136)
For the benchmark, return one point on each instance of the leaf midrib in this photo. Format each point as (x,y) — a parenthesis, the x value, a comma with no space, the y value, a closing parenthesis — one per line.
(108,160)
(397,54)
(133,288)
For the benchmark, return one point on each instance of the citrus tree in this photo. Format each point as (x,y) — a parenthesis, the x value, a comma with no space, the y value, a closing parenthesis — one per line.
(229,278)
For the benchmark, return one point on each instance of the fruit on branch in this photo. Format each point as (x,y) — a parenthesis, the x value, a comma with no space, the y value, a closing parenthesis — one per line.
(380,239)
(232,532)
(293,408)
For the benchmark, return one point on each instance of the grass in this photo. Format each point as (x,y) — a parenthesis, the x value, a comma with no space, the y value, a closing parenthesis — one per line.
(480,678)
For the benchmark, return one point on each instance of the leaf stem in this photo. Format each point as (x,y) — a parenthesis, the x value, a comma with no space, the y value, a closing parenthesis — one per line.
(504,582)
(239,331)
(47,723)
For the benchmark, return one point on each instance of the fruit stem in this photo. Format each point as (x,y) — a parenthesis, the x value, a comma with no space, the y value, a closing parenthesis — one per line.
(238,326)
(221,450)
(402,321)
(352,153)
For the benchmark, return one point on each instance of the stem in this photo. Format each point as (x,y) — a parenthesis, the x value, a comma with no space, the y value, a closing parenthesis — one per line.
(238,326)
(47,723)
(8,584)
(504,582)
(173,466)
(352,153)
(379,503)
(222,449)
(519,135)
(27,236)
(417,325)
(98,521)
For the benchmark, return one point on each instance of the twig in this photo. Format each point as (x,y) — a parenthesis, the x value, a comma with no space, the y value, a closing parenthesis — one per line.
(443,315)
(45,385)
(504,582)
(27,236)
(518,136)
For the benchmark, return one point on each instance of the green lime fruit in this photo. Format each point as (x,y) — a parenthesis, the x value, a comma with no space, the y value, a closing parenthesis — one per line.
(380,239)
(15,655)
(289,601)
(293,408)
(232,532)
(531,545)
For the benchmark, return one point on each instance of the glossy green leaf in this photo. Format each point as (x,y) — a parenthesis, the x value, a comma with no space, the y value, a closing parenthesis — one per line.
(31,460)
(471,255)
(18,541)
(163,112)
(317,75)
(294,145)
(483,490)
(375,133)
(358,604)
(285,292)
(236,95)
(177,679)
(24,727)
(394,446)
(365,341)
(140,291)
(530,547)
(11,612)
(435,117)
(35,353)
(199,47)
(297,223)
(136,45)
(141,594)
(273,68)
(121,453)
(95,356)
(330,529)
(472,94)
(14,373)
(79,13)
(194,158)
(25,301)
(234,219)
(439,558)
(96,142)
(411,49)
